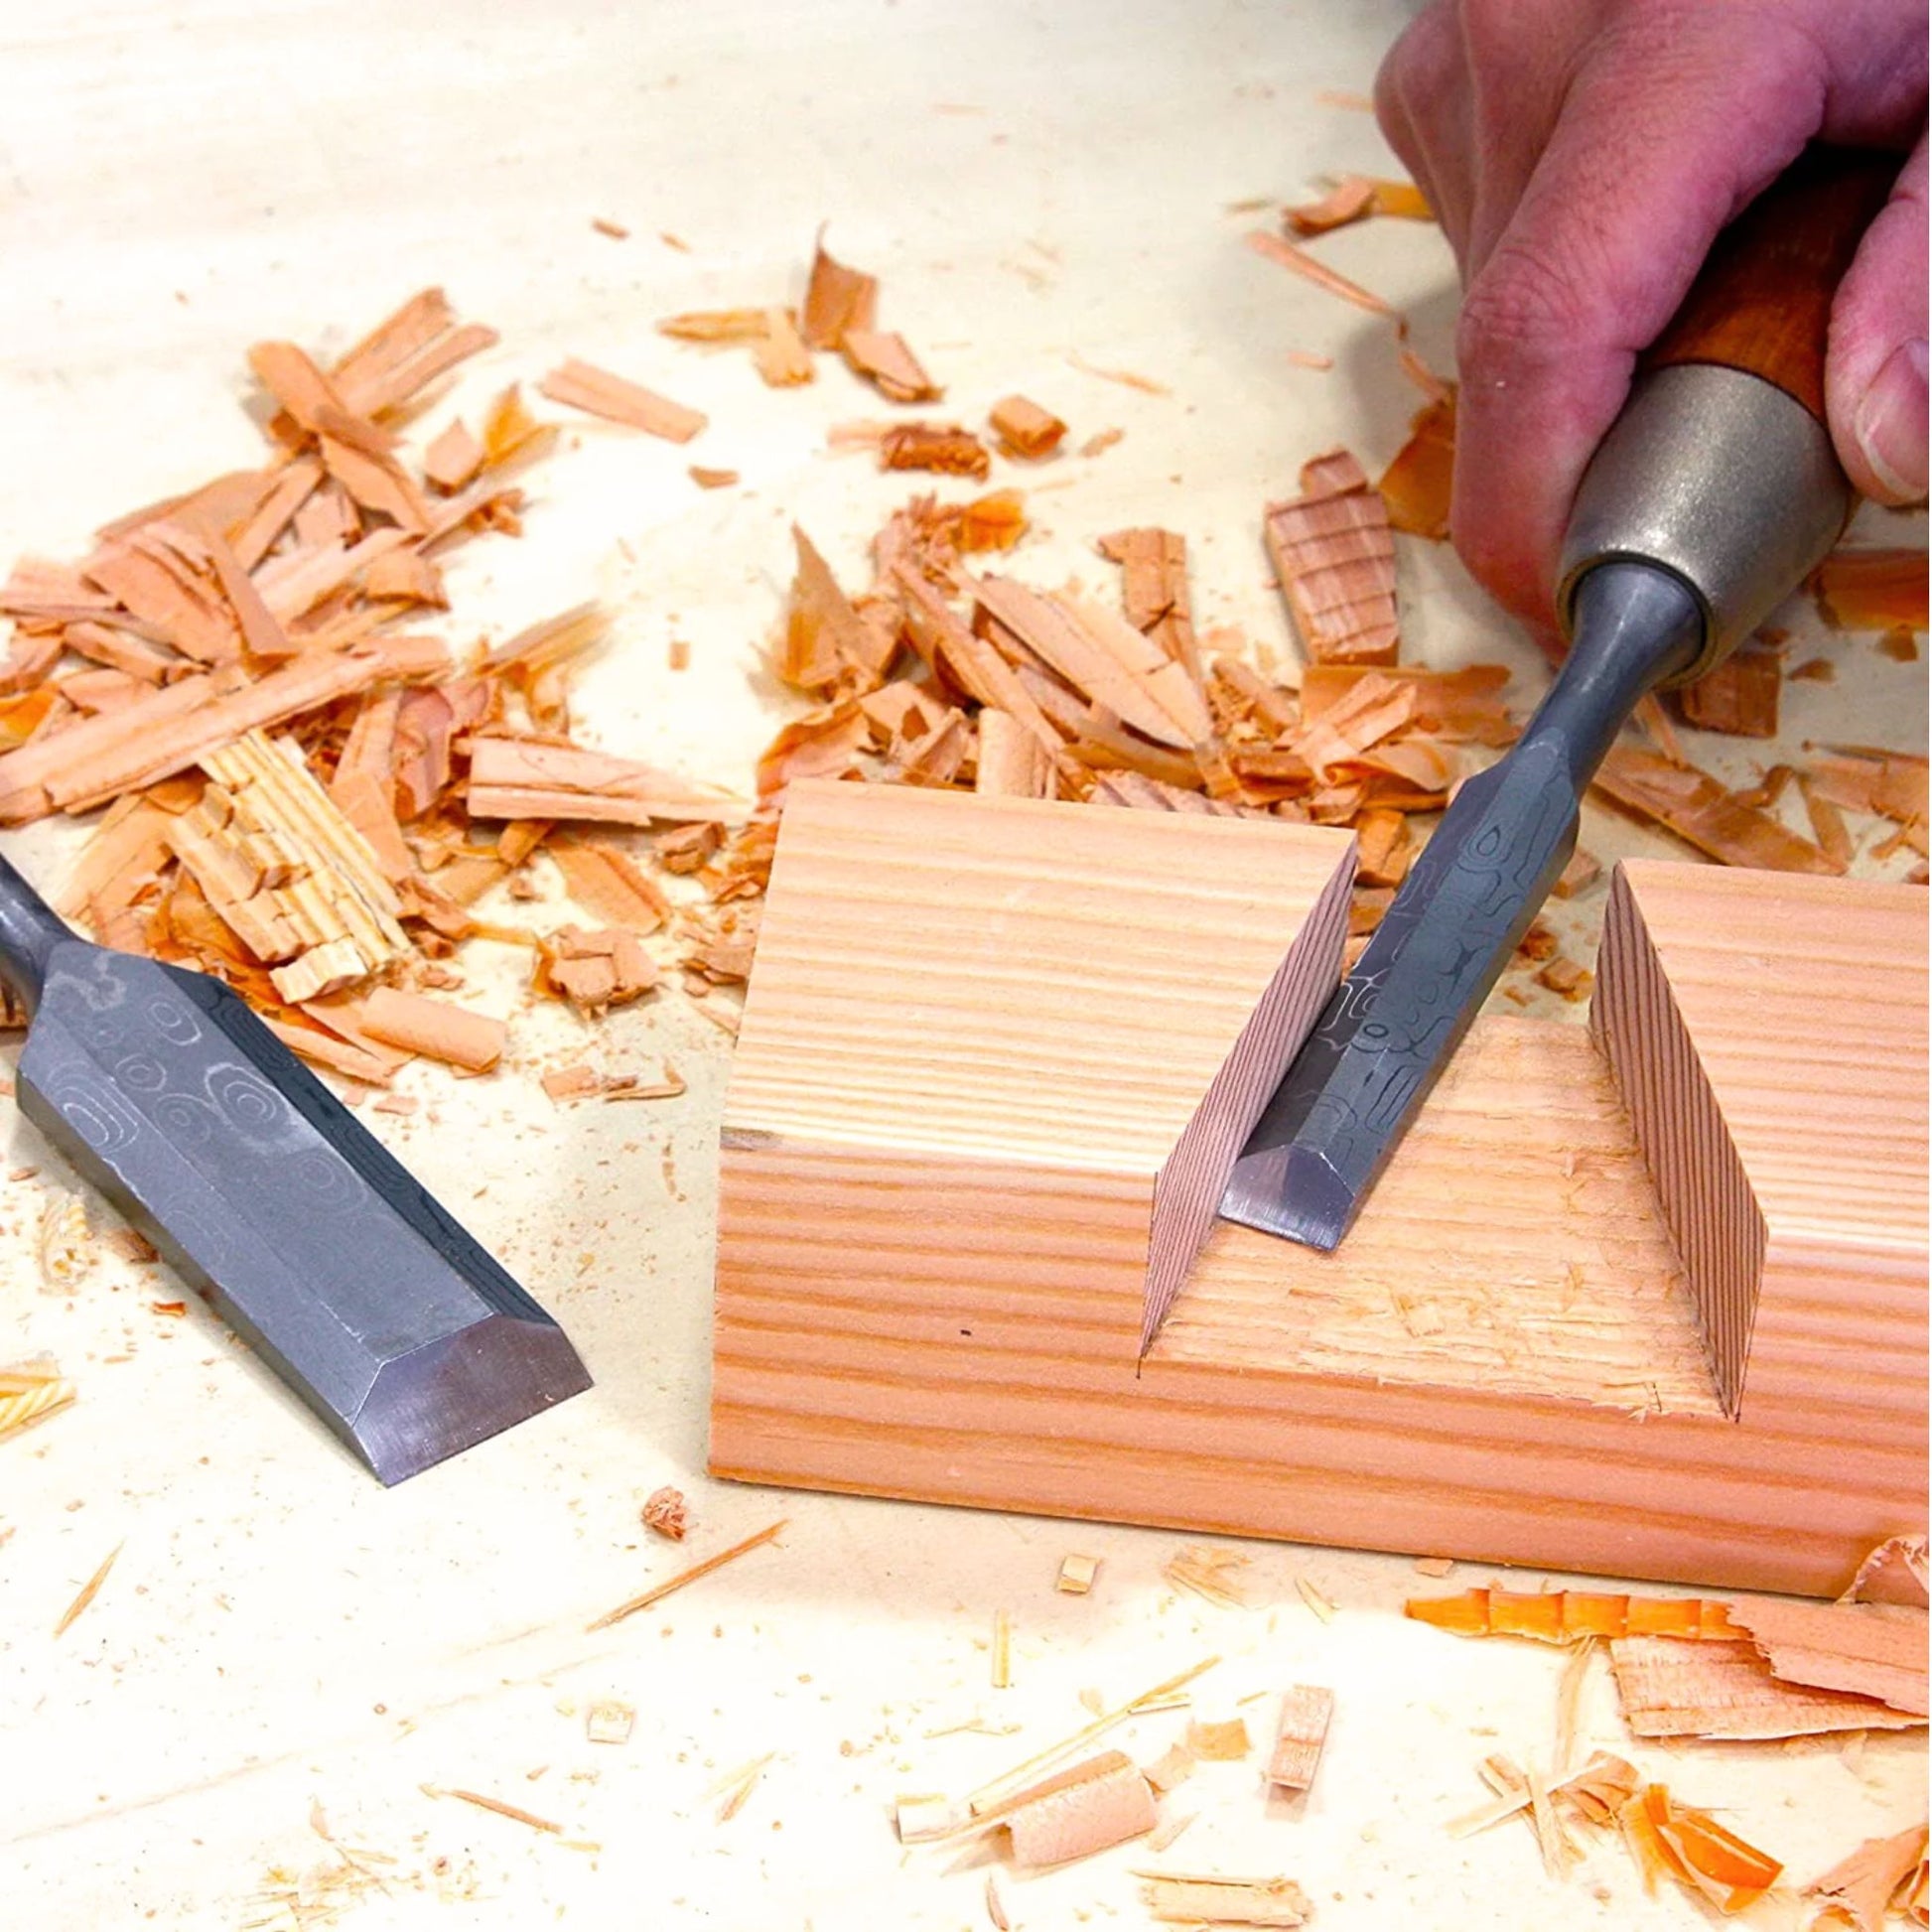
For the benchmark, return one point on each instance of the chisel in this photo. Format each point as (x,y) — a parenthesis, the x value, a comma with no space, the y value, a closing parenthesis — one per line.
(264,1193)
(1715,493)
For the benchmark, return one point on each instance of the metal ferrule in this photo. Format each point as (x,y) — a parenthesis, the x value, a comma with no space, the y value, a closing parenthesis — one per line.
(1721,478)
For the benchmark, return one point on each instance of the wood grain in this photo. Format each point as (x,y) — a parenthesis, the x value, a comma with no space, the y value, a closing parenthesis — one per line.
(1763,301)
(1770,1035)
(1029,1038)
(932,1292)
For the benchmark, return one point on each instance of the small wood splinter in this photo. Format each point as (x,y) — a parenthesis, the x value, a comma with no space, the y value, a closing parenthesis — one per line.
(684,1577)
(1302,1730)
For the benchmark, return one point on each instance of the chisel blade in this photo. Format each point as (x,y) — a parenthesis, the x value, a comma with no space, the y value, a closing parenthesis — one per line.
(1392,1025)
(266,1195)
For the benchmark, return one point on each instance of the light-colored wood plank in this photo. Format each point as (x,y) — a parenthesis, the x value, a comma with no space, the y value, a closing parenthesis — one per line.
(929,1268)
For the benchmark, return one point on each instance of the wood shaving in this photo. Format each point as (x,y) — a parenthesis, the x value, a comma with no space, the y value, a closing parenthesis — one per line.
(1203,1898)
(666,1511)
(1334,560)
(436,1028)
(515,1813)
(659,1592)
(1025,429)
(1101,1803)
(1275,249)
(886,360)
(88,1592)
(942,447)
(996,1909)
(1873,588)
(1208,1572)
(1565,1616)
(1668,1687)
(1689,1845)
(1300,1734)
(1698,810)
(1416,488)
(608,1723)
(1219,1741)
(32,1391)
(1076,1575)
(582,385)
(65,1243)
(1894,1573)
(1868,1882)
(1316,1599)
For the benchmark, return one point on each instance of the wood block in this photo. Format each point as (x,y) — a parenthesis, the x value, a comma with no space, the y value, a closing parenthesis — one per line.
(1769,1034)
(937,1230)
(999,1054)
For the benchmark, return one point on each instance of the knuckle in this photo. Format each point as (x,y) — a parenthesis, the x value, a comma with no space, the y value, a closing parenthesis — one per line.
(1524,310)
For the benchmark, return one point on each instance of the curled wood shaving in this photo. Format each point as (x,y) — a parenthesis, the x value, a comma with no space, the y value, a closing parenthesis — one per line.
(1081,1811)
(65,1243)
(1564,1617)
(888,362)
(1025,429)
(837,298)
(991,1797)
(1873,588)
(1865,1884)
(942,447)
(1706,1858)
(667,1512)
(1894,1573)
(1352,198)
(1415,487)
(32,1391)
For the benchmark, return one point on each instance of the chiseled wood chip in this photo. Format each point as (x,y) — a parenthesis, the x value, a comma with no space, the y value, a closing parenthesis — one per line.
(1208,1899)
(582,385)
(1302,1730)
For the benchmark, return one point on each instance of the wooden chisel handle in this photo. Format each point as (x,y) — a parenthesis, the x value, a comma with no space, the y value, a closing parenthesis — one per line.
(1763,301)
(1721,468)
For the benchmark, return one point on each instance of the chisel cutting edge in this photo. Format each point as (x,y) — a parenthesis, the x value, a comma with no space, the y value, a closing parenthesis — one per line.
(1714,494)
(262,1191)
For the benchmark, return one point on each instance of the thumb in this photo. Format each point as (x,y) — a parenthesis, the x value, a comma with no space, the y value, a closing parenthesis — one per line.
(1875,365)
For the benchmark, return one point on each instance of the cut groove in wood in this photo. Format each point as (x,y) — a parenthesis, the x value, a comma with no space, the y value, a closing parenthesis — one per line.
(970,1048)
(1789,1152)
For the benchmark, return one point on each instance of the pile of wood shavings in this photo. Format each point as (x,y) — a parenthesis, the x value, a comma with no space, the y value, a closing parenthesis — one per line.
(307,791)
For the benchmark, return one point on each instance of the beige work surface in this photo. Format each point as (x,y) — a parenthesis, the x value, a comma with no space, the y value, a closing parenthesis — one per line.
(1033,182)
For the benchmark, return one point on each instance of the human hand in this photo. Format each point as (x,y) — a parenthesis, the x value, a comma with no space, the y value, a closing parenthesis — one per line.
(1582,155)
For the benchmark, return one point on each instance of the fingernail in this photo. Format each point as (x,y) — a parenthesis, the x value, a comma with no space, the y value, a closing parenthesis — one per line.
(1890,423)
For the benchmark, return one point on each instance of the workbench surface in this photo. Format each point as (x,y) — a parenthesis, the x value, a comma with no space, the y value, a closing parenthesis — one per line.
(283,1645)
